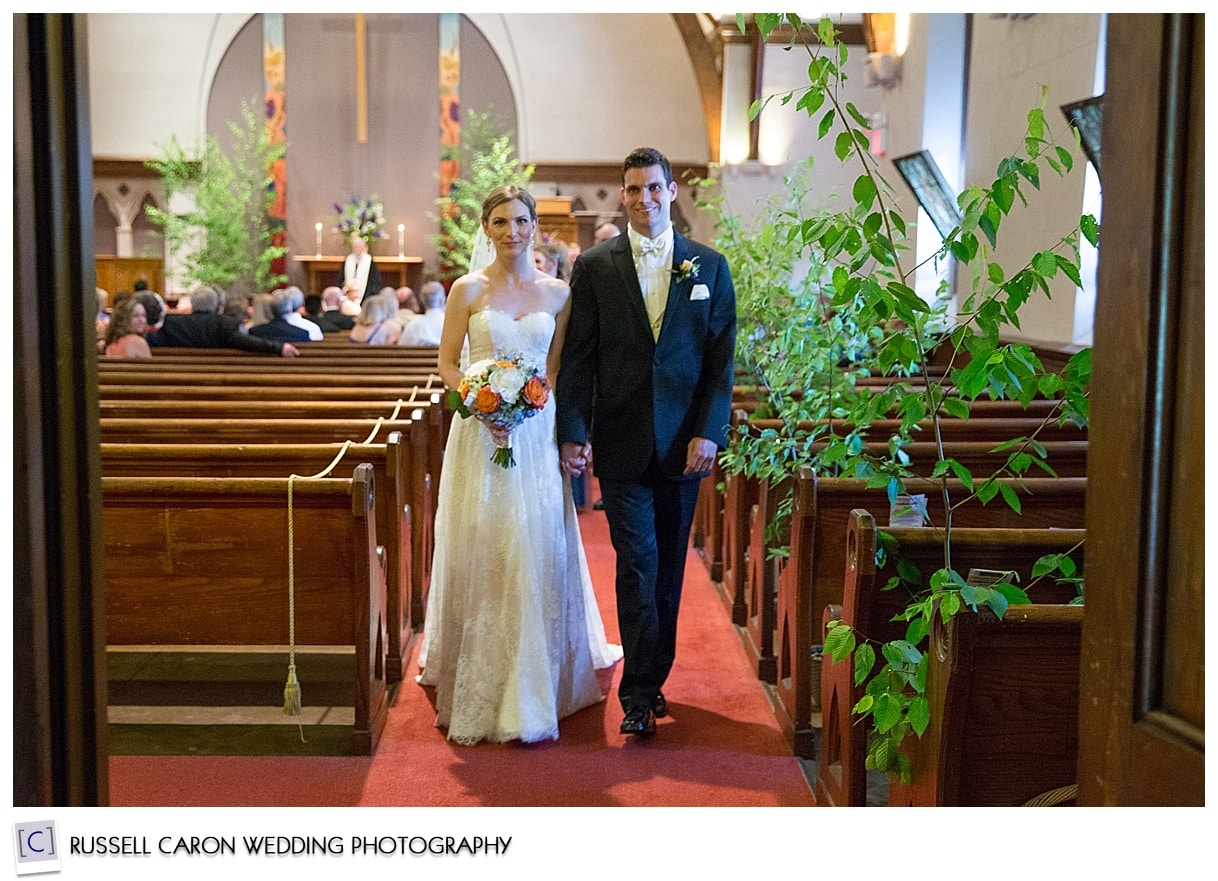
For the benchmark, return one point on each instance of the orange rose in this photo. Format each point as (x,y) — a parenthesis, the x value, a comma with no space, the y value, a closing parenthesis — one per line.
(463,389)
(487,401)
(537,392)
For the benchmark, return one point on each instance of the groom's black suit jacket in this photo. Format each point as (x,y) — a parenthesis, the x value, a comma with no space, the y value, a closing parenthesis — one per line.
(629,394)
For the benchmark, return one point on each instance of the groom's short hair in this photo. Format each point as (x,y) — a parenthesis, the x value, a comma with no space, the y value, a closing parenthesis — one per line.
(645,157)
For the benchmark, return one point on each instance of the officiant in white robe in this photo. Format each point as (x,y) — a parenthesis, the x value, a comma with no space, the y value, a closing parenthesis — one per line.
(359,271)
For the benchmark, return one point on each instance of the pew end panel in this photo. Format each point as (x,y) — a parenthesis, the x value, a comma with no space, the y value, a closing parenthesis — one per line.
(818,541)
(392,461)
(204,561)
(1004,709)
(764,572)
(870,607)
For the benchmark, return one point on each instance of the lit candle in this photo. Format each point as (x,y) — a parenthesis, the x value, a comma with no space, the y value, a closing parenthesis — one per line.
(401,240)
(317,227)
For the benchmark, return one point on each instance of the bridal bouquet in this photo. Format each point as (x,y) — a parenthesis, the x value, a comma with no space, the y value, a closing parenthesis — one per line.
(502,392)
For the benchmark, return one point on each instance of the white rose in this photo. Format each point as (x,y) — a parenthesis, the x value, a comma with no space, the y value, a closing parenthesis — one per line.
(507,383)
(479,367)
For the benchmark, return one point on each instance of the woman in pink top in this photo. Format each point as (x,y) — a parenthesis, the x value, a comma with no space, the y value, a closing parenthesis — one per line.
(125,333)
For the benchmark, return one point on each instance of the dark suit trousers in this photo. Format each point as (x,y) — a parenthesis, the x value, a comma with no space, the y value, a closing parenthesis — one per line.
(649,524)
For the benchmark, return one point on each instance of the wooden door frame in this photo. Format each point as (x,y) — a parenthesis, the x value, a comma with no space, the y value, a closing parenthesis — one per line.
(1141,716)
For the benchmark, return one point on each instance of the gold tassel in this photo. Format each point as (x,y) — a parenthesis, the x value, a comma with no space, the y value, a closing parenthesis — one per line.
(291,693)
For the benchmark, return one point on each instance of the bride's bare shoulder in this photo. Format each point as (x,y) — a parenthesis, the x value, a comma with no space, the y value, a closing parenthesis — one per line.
(556,291)
(554,288)
(468,288)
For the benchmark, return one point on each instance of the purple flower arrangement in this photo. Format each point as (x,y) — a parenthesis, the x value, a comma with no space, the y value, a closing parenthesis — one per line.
(360,217)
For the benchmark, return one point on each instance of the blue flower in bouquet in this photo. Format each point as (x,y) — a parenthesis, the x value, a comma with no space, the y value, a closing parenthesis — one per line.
(364,218)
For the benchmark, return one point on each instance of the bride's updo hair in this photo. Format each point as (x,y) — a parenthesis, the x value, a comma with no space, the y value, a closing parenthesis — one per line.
(506,193)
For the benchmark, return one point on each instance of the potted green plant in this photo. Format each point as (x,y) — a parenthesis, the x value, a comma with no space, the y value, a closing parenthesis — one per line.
(487,160)
(224,238)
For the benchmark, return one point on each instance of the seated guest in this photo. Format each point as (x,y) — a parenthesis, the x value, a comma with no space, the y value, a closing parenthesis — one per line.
(408,305)
(377,324)
(332,300)
(314,311)
(351,302)
(238,308)
(605,232)
(425,329)
(125,332)
(288,325)
(261,311)
(103,308)
(296,316)
(204,327)
(103,316)
(154,308)
(573,252)
(551,258)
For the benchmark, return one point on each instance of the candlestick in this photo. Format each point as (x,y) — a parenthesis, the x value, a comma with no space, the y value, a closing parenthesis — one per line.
(317,227)
(401,240)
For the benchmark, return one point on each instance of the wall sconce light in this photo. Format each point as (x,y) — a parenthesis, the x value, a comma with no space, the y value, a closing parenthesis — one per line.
(883,70)
(883,51)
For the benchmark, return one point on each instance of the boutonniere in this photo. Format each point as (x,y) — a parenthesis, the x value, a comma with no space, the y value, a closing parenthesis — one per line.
(687,270)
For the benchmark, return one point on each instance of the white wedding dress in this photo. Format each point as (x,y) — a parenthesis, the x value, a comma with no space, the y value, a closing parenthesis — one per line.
(512,633)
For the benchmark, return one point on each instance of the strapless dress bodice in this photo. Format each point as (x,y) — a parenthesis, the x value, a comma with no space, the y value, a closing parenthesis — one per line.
(492,333)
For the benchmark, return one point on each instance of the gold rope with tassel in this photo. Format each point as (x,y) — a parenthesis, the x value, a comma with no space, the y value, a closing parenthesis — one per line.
(291,690)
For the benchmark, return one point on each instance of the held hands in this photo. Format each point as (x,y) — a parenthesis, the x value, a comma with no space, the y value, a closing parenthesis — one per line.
(699,455)
(499,434)
(573,459)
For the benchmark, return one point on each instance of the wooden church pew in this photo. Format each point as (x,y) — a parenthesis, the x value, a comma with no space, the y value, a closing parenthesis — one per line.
(869,608)
(203,561)
(1068,458)
(749,590)
(403,504)
(814,574)
(1004,701)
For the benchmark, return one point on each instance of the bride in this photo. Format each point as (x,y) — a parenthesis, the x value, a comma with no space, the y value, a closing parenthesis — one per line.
(512,634)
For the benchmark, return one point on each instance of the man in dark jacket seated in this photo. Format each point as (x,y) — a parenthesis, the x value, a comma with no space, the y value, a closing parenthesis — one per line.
(316,312)
(205,328)
(288,325)
(332,301)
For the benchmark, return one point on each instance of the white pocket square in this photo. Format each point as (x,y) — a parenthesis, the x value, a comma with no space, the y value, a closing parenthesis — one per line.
(700,292)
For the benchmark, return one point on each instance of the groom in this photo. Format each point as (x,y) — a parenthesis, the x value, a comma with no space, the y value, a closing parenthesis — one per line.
(646,380)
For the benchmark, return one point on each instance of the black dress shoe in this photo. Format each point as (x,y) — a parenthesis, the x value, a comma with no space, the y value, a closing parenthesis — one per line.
(640,721)
(659,705)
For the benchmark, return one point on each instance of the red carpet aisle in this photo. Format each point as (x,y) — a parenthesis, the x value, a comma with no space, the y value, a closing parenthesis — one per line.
(720,745)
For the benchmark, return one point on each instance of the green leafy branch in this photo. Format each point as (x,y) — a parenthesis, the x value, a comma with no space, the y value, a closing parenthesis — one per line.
(861,251)
(224,238)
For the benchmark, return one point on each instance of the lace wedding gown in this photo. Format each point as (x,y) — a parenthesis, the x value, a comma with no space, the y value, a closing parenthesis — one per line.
(512,632)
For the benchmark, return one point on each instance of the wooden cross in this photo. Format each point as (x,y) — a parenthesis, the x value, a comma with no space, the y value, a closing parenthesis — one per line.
(361,81)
